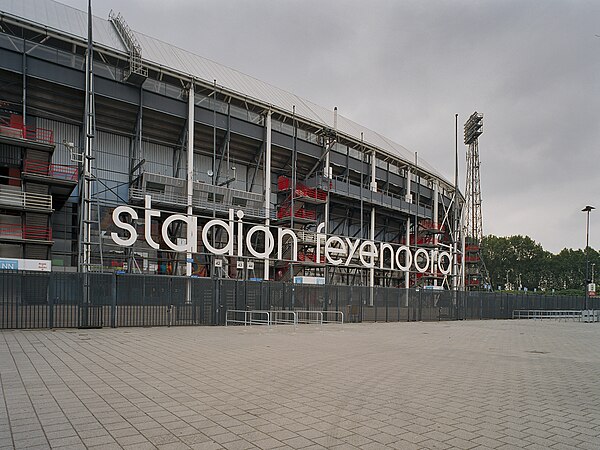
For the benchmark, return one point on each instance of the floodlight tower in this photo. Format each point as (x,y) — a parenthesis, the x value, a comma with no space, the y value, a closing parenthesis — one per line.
(475,272)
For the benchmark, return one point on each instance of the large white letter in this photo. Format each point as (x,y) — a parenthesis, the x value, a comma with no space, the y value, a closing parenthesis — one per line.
(417,266)
(447,270)
(364,253)
(351,249)
(192,224)
(382,248)
(148,215)
(228,228)
(125,226)
(269,242)
(281,232)
(320,237)
(408,260)
(331,250)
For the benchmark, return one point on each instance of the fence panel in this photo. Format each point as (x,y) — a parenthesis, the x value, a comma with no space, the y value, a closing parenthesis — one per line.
(131,297)
(65,294)
(310,297)
(253,294)
(203,300)
(10,290)
(57,299)
(181,309)
(277,297)
(227,297)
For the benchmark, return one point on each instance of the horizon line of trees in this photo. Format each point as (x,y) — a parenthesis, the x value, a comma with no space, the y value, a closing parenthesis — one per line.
(518,262)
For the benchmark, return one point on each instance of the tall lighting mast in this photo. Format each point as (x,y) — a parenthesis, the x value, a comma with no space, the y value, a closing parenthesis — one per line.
(476,274)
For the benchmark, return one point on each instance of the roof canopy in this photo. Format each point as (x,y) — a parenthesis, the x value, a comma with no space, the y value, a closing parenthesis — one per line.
(70,21)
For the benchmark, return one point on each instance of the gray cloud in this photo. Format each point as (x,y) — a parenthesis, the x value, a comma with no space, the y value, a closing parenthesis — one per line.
(404,69)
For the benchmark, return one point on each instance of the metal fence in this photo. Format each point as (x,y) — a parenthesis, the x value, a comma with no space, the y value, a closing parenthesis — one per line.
(67,300)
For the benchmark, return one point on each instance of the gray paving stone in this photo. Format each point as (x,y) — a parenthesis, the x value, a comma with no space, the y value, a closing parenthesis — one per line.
(415,385)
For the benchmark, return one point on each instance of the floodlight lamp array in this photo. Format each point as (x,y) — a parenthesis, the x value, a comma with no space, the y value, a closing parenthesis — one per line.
(473,127)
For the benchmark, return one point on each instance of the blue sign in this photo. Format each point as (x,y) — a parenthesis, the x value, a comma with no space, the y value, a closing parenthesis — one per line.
(9,264)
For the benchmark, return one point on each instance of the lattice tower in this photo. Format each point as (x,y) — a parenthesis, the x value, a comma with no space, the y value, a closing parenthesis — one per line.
(473,219)
(475,271)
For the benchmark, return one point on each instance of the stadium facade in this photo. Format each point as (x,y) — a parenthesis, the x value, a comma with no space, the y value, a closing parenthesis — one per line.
(181,166)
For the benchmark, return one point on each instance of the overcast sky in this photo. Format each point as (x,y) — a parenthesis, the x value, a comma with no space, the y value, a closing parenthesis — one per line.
(404,68)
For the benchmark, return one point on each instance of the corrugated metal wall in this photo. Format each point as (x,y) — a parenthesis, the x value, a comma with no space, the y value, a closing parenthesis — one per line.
(159,159)
(63,132)
(111,164)
(202,164)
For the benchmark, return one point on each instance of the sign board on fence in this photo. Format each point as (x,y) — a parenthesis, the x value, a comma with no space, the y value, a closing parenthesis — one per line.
(34,265)
(309,280)
(433,288)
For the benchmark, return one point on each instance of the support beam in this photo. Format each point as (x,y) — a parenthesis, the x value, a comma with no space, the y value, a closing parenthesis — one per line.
(190,185)
(324,155)
(24,75)
(267,181)
(372,269)
(135,145)
(327,173)
(86,173)
(327,155)
(224,146)
(462,245)
(372,234)
(178,150)
(407,273)
(373,171)
(435,218)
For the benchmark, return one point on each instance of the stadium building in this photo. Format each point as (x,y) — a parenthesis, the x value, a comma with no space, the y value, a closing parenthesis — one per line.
(134,156)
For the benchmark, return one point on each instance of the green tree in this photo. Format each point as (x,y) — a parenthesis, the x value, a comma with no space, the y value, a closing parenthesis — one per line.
(515,262)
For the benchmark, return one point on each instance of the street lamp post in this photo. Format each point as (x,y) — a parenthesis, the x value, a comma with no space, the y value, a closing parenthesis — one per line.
(587,210)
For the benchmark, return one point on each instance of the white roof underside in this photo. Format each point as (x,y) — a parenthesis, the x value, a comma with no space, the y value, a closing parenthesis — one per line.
(71,21)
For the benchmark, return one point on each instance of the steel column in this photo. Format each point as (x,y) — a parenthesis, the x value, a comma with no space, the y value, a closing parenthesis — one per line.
(267,181)
(435,220)
(190,190)
(24,76)
(372,234)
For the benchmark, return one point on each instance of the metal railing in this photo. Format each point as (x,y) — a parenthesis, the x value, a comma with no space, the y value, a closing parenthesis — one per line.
(62,171)
(17,130)
(31,232)
(547,314)
(282,317)
(305,316)
(180,200)
(131,42)
(250,317)
(27,200)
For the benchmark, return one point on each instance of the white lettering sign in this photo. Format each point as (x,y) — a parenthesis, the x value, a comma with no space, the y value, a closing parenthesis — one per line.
(221,237)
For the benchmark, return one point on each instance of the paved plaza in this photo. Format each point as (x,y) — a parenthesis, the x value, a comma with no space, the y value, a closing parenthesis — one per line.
(479,384)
